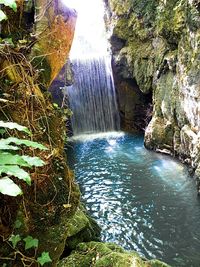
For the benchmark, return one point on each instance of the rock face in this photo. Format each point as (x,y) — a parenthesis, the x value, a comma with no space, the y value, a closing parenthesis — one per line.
(58,86)
(156,43)
(55,25)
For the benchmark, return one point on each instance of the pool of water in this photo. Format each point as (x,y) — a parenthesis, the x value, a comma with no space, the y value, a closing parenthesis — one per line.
(143,201)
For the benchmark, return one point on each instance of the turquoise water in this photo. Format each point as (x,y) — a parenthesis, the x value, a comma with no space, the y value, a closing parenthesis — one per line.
(143,201)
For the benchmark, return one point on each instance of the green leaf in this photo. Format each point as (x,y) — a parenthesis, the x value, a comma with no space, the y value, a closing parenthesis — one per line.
(4,146)
(55,105)
(33,161)
(25,142)
(18,224)
(23,41)
(30,242)
(11,3)
(2,15)
(13,125)
(14,239)
(2,131)
(8,41)
(7,158)
(44,258)
(14,170)
(8,187)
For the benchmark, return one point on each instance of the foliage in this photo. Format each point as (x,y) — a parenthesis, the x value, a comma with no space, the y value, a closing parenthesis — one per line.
(14,239)
(11,163)
(44,258)
(8,187)
(13,125)
(10,3)
(2,15)
(29,243)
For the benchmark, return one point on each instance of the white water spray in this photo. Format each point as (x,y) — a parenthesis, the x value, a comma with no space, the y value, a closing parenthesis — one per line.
(92,97)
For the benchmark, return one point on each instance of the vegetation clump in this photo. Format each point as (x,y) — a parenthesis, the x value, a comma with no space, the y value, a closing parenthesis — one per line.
(33,164)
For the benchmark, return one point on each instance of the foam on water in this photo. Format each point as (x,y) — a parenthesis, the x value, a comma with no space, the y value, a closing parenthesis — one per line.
(91,137)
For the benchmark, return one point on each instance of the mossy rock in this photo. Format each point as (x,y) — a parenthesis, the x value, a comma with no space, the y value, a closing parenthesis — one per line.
(81,228)
(99,254)
(170,20)
(121,7)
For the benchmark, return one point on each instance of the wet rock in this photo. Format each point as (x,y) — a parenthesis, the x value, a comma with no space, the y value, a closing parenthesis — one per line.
(134,110)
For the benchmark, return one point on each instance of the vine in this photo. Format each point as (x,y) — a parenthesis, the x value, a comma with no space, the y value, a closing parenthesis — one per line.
(29,243)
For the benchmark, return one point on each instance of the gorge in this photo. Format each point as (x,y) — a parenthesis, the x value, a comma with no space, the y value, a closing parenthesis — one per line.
(107,169)
(144,201)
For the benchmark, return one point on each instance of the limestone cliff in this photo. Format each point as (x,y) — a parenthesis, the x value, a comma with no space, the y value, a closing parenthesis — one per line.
(156,44)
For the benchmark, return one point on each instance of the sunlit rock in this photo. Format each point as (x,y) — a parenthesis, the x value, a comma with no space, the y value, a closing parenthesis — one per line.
(54,28)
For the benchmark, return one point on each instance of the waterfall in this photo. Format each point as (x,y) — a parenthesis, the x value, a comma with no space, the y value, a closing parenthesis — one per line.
(92,97)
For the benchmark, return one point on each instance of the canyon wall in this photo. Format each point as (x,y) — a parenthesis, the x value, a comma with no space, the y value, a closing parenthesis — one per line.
(156,44)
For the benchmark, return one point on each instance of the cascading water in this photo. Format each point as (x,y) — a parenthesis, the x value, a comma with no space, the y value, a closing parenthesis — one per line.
(92,97)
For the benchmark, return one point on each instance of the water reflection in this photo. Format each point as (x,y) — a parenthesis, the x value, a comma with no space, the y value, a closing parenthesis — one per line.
(143,201)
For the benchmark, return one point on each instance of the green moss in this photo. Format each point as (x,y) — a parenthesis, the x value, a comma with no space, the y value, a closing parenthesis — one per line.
(131,27)
(157,263)
(121,7)
(146,9)
(171,19)
(192,18)
(81,228)
(98,254)
(121,29)
(141,53)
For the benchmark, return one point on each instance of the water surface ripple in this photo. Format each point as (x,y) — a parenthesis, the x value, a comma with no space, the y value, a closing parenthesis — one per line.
(143,201)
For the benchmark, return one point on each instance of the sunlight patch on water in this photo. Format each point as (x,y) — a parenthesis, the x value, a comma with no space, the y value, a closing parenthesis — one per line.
(172,173)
